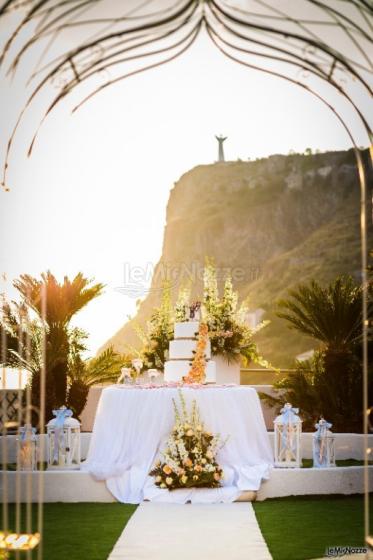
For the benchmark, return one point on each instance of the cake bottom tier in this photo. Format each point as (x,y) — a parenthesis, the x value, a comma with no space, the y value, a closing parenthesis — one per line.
(175,370)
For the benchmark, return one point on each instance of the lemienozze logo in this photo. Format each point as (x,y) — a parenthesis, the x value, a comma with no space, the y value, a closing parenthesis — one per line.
(138,281)
(338,551)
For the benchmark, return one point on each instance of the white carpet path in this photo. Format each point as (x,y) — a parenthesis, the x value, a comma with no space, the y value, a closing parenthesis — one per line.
(185,532)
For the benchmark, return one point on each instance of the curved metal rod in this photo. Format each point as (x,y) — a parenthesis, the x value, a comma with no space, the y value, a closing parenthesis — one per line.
(321,46)
(152,39)
(301,64)
(51,41)
(146,26)
(64,92)
(334,15)
(50,76)
(300,60)
(279,17)
(28,17)
(114,81)
(103,64)
(345,61)
(320,56)
(291,80)
(330,9)
(55,63)
(318,72)
(89,73)
(48,27)
(142,35)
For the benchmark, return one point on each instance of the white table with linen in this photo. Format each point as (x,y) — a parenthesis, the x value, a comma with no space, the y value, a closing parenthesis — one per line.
(132,426)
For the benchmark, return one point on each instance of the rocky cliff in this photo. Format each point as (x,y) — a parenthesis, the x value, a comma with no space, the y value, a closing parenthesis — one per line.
(274,222)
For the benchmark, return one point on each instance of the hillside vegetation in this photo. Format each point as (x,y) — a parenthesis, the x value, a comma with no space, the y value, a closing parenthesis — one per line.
(274,222)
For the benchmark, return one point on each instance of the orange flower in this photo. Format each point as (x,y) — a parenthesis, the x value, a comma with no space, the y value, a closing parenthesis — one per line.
(197,371)
(188,462)
(167,469)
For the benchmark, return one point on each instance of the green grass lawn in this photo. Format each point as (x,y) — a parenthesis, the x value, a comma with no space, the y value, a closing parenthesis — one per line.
(296,528)
(86,531)
(300,528)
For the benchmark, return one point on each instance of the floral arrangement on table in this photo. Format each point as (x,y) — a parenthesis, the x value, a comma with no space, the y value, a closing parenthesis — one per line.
(197,371)
(189,458)
(182,309)
(158,333)
(230,336)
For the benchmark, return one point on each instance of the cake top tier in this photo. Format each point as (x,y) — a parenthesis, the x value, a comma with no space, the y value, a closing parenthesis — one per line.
(189,329)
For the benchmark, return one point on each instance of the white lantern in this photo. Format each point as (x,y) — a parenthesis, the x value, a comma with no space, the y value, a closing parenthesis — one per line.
(323,445)
(26,449)
(63,440)
(288,430)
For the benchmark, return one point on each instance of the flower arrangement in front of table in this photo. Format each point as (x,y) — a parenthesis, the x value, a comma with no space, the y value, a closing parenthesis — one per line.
(189,459)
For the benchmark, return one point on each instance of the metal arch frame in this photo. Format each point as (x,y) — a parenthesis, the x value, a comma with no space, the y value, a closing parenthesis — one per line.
(273,35)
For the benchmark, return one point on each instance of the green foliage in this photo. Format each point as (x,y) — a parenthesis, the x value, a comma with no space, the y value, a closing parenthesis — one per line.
(182,305)
(229,335)
(160,330)
(302,527)
(102,369)
(52,305)
(330,384)
(75,531)
(331,315)
(64,299)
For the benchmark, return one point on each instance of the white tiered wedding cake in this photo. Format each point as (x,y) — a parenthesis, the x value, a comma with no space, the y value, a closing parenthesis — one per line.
(181,353)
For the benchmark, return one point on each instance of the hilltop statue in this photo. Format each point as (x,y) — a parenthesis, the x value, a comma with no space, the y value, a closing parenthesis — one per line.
(220,140)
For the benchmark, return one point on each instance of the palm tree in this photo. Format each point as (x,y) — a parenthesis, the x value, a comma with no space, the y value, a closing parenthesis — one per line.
(332,315)
(103,369)
(63,301)
(331,383)
(23,349)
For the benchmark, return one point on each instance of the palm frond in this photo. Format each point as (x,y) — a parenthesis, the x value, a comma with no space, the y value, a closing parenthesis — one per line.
(332,315)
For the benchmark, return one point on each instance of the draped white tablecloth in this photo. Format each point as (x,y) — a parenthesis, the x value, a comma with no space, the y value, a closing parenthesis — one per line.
(132,425)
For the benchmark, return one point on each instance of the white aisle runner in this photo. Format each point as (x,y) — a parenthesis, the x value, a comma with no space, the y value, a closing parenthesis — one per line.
(200,531)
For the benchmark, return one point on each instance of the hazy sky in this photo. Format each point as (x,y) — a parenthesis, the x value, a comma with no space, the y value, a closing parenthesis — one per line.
(93,196)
